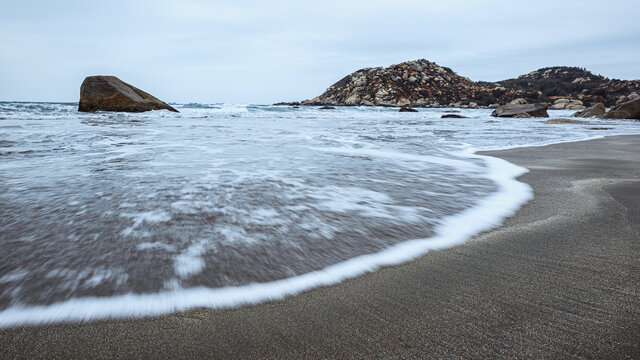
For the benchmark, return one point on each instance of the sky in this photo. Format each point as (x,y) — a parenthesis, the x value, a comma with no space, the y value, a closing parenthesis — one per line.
(260,52)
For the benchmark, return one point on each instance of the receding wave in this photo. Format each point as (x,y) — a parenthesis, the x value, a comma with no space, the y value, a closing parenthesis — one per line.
(114,214)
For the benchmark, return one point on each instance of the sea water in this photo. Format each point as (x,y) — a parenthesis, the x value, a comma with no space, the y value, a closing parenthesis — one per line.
(132,214)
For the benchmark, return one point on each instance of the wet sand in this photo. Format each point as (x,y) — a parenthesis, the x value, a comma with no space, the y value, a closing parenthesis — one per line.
(560,279)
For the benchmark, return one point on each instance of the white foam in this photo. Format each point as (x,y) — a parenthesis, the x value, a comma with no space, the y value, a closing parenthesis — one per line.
(98,276)
(453,230)
(367,202)
(149,217)
(234,234)
(190,261)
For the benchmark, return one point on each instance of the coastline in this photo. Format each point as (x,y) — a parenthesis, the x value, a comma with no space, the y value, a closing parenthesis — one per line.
(558,279)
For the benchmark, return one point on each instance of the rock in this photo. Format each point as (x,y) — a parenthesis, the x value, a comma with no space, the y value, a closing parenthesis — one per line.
(407,109)
(453,116)
(402,102)
(538,110)
(518,101)
(626,110)
(565,121)
(575,107)
(108,93)
(595,110)
(352,100)
(360,82)
(416,67)
(561,104)
(633,96)
(421,102)
(326,107)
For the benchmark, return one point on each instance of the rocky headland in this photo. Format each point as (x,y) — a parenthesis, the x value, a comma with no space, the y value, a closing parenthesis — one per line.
(422,83)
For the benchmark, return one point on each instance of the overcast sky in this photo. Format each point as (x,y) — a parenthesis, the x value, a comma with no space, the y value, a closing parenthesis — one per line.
(269,51)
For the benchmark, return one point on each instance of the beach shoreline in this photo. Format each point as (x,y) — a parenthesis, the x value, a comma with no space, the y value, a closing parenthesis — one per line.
(558,279)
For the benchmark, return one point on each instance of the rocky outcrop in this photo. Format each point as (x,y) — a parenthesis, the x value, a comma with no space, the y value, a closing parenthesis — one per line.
(622,98)
(626,110)
(414,84)
(422,83)
(612,92)
(108,93)
(521,110)
(596,110)
(552,83)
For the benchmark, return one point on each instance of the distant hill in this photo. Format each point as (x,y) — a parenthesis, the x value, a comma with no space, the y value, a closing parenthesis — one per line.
(422,83)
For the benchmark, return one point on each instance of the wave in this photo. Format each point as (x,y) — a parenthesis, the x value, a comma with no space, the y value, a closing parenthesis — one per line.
(488,213)
(200,106)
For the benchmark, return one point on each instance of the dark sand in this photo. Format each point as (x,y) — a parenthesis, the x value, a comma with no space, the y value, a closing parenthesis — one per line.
(560,279)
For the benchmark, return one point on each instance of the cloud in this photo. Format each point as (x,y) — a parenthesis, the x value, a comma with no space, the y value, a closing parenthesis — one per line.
(262,52)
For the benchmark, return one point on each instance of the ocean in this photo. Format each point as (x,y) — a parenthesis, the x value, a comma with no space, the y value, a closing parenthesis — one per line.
(111,215)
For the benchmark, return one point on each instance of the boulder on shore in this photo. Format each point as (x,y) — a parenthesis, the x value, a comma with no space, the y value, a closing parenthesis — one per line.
(521,110)
(594,110)
(626,110)
(108,93)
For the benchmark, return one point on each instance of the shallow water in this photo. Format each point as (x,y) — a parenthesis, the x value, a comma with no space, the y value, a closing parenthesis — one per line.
(158,206)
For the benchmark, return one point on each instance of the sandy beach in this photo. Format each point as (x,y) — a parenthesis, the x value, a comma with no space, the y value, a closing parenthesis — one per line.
(560,279)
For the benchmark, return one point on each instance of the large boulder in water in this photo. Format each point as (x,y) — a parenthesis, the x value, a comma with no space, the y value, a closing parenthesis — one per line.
(108,93)
(521,110)
(626,110)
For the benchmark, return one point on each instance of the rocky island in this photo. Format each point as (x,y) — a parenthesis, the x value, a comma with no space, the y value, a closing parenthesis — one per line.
(423,83)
